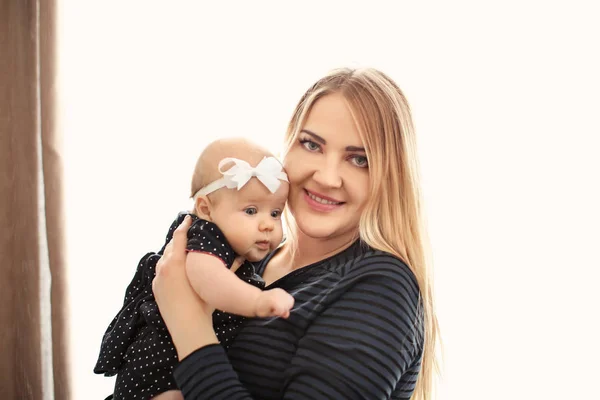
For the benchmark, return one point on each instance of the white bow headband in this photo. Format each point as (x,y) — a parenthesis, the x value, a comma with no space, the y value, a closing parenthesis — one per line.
(269,171)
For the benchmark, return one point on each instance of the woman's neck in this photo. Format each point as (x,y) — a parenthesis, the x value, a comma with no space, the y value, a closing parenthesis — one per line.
(310,250)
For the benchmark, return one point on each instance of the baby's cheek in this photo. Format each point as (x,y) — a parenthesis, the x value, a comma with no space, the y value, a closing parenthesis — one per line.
(238,240)
(278,235)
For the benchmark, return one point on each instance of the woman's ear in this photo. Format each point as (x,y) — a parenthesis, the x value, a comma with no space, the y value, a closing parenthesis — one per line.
(203,207)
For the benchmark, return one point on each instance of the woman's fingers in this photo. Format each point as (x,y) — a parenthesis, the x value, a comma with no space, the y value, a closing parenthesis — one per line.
(179,242)
(175,249)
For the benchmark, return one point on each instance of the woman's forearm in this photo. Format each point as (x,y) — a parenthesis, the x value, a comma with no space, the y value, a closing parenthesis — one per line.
(188,318)
(190,323)
(192,337)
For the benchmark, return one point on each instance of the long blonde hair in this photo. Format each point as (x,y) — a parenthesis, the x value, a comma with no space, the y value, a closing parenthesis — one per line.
(392,220)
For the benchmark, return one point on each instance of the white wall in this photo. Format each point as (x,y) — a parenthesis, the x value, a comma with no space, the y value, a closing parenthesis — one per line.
(505,99)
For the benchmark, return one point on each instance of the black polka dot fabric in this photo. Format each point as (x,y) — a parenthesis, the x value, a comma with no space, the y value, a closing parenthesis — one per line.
(206,237)
(137,346)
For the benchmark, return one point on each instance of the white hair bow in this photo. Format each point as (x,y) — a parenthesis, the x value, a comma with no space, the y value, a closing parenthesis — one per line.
(269,171)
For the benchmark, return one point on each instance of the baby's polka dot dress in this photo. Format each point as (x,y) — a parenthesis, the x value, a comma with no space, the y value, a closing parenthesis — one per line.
(137,346)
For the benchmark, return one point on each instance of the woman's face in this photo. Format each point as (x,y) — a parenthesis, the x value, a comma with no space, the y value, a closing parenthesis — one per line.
(328,172)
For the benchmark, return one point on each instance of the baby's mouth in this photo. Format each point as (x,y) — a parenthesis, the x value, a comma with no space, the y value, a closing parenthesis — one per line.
(263,244)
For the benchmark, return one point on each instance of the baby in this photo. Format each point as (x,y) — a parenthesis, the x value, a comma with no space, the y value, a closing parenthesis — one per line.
(239,192)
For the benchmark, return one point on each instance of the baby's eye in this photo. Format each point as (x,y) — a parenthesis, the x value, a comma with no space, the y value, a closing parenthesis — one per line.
(251,210)
(276,213)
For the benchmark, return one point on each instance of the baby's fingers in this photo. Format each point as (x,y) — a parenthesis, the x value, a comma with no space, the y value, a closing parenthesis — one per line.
(285,302)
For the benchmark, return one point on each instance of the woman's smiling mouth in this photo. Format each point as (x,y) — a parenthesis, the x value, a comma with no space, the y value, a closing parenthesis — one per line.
(321,203)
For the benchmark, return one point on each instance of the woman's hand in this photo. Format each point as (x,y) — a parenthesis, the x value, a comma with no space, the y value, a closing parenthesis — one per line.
(187,316)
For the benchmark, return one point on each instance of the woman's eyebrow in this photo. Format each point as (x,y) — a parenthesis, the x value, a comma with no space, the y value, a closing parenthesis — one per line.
(354,148)
(323,141)
(315,136)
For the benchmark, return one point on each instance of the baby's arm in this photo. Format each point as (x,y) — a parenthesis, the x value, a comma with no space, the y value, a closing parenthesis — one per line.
(169,395)
(224,290)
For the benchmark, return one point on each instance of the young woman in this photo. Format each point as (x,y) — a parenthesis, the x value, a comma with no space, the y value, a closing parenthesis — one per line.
(363,324)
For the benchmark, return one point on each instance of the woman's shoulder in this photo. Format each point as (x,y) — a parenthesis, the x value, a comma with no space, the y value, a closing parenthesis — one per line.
(364,262)
(378,280)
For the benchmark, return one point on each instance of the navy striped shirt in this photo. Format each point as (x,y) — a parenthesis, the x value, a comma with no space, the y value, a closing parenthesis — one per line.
(355,332)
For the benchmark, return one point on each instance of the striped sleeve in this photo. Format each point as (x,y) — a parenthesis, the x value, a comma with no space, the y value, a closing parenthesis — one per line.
(207,374)
(360,346)
(363,344)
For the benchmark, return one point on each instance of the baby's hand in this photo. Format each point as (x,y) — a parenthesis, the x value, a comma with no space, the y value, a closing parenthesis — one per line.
(274,303)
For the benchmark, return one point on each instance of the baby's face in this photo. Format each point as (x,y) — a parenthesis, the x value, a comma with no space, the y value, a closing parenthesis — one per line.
(251,218)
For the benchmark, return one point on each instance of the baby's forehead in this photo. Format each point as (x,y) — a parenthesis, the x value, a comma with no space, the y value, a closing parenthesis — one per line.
(255,192)
(260,197)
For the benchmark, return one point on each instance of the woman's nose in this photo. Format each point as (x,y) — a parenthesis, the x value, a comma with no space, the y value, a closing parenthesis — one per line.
(328,174)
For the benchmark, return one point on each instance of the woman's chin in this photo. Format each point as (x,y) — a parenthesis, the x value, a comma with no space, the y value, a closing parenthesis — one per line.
(318,233)
(323,226)
(320,230)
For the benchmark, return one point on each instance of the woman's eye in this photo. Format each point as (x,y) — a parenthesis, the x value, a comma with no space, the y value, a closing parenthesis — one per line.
(251,210)
(360,161)
(275,214)
(309,145)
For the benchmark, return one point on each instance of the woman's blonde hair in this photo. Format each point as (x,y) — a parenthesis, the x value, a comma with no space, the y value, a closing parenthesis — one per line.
(392,220)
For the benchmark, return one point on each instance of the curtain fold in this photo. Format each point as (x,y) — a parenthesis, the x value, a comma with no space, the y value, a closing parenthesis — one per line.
(52,166)
(33,337)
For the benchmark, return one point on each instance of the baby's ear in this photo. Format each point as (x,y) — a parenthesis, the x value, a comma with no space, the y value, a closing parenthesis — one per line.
(203,207)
